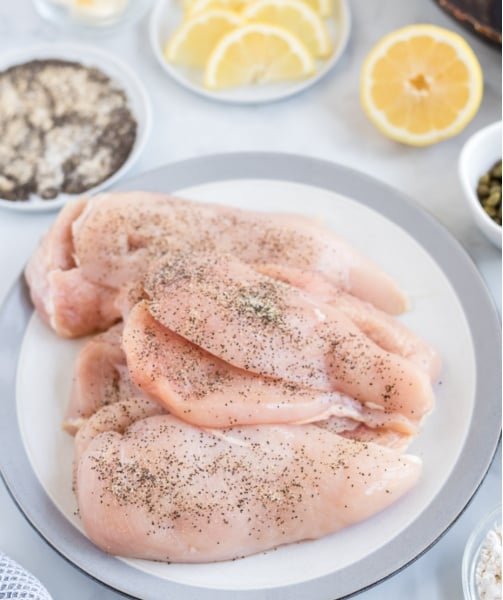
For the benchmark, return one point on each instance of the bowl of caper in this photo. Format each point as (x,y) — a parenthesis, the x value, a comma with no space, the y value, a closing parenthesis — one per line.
(480,173)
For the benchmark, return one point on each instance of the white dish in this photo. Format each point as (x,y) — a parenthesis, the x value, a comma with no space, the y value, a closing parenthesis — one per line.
(451,309)
(118,72)
(478,155)
(472,552)
(166,17)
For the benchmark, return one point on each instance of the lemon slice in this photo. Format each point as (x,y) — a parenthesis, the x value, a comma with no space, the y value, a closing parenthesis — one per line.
(322,7)
(193,42)
(421,84)
(201,5)
(297,17)
(187,4)
(257,53)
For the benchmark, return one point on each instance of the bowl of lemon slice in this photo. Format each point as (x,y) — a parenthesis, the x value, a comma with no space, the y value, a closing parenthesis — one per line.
(248,51)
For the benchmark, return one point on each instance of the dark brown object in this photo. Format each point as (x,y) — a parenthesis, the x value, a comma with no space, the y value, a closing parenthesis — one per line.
(483,17)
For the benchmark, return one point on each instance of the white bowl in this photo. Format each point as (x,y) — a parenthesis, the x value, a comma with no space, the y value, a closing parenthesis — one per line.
(478,155)
(168,14)
(139,104)
(472,552)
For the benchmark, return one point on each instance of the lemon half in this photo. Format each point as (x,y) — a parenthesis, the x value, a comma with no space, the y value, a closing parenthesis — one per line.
(421,84)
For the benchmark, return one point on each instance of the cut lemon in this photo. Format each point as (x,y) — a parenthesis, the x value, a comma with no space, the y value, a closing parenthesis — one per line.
(187,4)
(297,17)
(257,53)
(201,5)
(322,7)
(193,42)
(421,84)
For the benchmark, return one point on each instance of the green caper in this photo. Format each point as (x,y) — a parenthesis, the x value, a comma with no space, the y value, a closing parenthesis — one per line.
(494,199)
(485,179)
(496,170)
(483,190)
(491,211)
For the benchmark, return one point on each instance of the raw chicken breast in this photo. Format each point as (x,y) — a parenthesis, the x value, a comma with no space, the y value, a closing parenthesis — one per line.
(206,391)
(105,242)
(78,306)
(265,326)
(380,327)
(100,377)
(166,490)
(52,254)
(67,301)
(116,235)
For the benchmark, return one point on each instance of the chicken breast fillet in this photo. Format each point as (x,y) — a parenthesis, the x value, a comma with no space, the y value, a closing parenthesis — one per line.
(100,377)
(265,326)
(107,241)
(204,390)
(162,489)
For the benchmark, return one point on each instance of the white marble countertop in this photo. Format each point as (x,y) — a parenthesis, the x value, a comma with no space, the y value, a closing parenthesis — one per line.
(325,122)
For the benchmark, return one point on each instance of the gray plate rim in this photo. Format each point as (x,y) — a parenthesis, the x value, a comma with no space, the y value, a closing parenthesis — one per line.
(472,465)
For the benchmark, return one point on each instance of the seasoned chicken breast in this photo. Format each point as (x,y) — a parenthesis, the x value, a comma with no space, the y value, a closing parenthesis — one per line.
(265,326)
(204,390)
(100,377)
(98,245)
(162,489)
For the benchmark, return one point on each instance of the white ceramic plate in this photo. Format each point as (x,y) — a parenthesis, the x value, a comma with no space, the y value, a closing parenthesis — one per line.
(451,310)
(166,17)
(118,72)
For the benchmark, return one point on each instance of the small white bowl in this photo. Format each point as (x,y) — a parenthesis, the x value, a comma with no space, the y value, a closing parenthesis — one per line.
(478,155)
(168,14)
(472,552)
(120,73)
